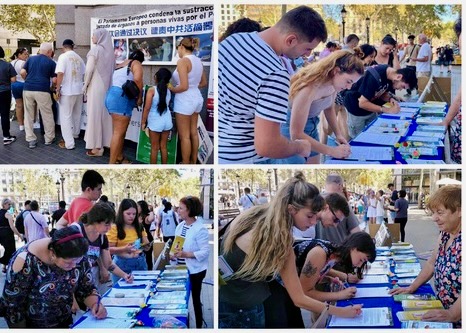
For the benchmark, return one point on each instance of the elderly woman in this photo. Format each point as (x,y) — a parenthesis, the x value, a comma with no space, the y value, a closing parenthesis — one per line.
(7,233)
(43,278)
(445,263)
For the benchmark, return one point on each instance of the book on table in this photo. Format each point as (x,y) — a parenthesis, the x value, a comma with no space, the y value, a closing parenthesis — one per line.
(421,304)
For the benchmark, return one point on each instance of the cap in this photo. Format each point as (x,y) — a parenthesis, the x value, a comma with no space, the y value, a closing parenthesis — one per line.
(68,42)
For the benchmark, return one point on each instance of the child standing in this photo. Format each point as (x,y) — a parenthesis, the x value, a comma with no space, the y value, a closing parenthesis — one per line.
(157,117)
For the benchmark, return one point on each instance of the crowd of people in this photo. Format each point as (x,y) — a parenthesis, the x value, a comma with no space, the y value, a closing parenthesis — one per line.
(93,244)
(39,82)
(344,87)
(302,248)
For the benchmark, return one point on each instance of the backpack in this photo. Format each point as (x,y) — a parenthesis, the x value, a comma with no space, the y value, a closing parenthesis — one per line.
(19,222)
(130,89)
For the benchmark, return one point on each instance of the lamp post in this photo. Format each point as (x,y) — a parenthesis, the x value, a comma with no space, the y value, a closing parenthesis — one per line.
(144,195)
(128,188)
(276,179)
(343,16)
(396,34)
(57,184)
(62,179)
(237,184)
(368,23)
(269,176)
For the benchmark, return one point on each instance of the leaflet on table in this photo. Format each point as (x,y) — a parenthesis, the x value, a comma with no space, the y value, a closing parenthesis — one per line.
(124,292)
(421,161)
(122,312)
(432,112)
(425,324)
(173,312)
(174,272)
(411,104)
(92,322)
(382,258)
(135,283)
(435,103)
(405,281)
(429,120)
(368,279)
(412,305)
(420,297)
(409,274)
(426,139)
(161,306)
(410,315)
(372,292)
(370,317)
(400,115)
(438,135)
(401,246)
(374,154)
(427,151)
(332,161)
(141,273)
(165,285)
(181,300)
(431,128)
(169,295)
(407,109)
(391,123)
(395,130)
(382,139)
(125,301)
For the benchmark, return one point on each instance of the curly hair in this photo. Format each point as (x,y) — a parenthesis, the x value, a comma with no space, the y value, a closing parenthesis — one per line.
(271,227)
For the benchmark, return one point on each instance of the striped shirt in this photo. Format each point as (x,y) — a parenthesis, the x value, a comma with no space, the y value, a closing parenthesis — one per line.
(252,83)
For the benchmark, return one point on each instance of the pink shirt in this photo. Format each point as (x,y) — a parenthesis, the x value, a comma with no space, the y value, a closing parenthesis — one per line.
(77,208)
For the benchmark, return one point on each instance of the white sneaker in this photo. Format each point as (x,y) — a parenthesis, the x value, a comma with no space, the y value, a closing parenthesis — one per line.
(21,127)
(36,125)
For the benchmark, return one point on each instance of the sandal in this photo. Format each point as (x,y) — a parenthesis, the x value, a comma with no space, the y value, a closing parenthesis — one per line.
(99,154)
(124,160)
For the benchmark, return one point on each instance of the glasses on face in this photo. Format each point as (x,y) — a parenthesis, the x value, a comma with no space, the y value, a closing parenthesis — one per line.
(335,218)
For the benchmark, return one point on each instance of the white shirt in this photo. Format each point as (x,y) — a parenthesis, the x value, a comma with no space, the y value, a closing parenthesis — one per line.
(73,68)
(424,51)
(247,201)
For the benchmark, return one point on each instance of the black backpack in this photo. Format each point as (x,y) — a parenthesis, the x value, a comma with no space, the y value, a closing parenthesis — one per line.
(19,222)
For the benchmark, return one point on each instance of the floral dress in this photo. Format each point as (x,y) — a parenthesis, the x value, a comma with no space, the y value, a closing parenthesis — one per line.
(42,295)
(447,274)
(455,138)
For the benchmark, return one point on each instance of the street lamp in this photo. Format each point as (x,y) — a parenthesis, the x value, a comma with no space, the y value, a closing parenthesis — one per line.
(57,184)
(276,179)
(144,195)
(269,176)
(343,16)
(237,184)
(128,188)
(368,23)
(62,179)
(396,34)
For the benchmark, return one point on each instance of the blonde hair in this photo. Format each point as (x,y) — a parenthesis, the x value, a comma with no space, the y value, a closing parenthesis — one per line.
(448,196)
(319,72)
(271,225)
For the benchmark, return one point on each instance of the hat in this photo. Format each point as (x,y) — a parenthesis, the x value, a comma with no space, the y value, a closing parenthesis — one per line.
(68,42)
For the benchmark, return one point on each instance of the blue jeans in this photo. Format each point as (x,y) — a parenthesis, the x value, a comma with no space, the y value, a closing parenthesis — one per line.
(128,265)
(230,316)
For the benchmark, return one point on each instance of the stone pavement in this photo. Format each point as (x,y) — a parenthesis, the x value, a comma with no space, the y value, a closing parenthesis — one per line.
(207,292)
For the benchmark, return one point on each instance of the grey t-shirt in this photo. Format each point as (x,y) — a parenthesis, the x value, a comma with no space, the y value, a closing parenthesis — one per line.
(402,205)
(337,234)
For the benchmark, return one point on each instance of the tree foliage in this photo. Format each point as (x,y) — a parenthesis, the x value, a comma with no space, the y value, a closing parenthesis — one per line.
(38,20)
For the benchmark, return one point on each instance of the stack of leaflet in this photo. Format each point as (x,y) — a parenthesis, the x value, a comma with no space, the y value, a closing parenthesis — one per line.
(173,279)
(432,113)
(384,132)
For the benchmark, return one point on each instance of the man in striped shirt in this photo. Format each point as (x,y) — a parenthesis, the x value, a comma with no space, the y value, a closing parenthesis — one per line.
(254,87)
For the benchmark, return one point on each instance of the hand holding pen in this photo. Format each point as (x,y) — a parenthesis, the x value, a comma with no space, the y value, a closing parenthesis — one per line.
(98,310)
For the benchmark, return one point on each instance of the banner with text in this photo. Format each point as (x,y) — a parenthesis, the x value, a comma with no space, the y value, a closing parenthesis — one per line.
(157,33)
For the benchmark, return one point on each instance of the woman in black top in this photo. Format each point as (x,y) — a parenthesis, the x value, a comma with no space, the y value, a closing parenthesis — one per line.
(145,218)
(7,233)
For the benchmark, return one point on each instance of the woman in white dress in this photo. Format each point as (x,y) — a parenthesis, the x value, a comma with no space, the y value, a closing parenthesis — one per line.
(97,80)
(372,208)
(188,77)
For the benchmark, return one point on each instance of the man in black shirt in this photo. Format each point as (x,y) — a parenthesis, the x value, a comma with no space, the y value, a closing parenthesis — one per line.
(365,98)
(59,212)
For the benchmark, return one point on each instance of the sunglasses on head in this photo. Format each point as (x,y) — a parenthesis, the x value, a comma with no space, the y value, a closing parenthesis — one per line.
(335,218)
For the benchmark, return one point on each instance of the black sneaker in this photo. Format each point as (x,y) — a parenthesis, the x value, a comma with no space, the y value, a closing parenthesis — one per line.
(32,144)
(9,140)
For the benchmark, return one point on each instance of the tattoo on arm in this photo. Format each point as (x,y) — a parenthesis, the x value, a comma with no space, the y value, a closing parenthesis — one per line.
(308,270)
(111,268)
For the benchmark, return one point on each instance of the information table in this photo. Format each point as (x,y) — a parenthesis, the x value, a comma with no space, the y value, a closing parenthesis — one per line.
(149,301)
(389,269)
(412,136)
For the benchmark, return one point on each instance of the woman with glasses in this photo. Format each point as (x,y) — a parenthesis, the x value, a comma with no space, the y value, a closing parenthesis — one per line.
(314,261)
(128,239)
(195,250)
(44,277)
(7,233)
(188,77)
(258,246)
(94,226)
(18,60)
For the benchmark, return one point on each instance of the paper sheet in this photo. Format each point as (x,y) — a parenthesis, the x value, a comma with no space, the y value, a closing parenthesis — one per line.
(374,279)
(382,139)
(91,322)
(372,292)
(429,120)
(420,161)
(438,135)
(373,154)
(391,123)
(377,271)
(127,301)
(146,272)
(370,317)
(121,312)
(411,104)
(133,292)
(135,284)
(332,161)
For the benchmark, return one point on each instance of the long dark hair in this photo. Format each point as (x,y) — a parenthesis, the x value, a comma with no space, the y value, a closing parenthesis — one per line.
(162,78)
(144,209)
(360,241)
(120,221)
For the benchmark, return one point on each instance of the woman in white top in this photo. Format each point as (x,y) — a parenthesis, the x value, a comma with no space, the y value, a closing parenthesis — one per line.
(18,59)
(372,208)
(380,207)
(188,77)
(35,224)
(120,106)
(167,222)
(157,117)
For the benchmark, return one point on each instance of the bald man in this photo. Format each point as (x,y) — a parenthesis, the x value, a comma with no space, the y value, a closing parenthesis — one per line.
(424,57)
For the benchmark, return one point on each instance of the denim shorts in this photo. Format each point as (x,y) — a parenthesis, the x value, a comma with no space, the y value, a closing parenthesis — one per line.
(17,89)
(128,265)
(231,316)
(118,104)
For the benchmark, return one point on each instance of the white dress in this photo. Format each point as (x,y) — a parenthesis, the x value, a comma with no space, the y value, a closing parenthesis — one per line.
(372,208)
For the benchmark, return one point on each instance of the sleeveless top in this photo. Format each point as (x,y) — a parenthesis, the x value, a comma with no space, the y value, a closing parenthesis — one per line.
(302,248)
(194,76)
(4,224)
(120,77)
(447,272)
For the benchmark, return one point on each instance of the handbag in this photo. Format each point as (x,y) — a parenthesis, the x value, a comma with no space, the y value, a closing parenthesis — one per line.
(130,89)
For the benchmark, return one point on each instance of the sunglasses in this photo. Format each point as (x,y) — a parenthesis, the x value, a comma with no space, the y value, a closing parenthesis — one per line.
(335,218)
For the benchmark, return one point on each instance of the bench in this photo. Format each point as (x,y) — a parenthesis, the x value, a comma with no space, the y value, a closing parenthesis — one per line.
(227,215)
